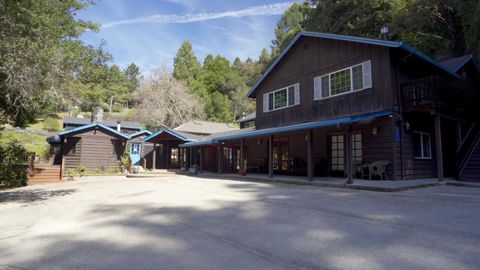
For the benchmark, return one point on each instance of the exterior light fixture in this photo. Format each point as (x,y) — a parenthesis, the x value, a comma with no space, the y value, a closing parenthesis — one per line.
(375,130)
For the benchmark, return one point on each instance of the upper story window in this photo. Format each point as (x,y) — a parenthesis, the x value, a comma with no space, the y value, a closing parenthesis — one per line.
(282,98)
(354,78)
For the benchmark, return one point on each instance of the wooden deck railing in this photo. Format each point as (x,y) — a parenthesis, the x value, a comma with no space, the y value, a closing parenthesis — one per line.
(437,93)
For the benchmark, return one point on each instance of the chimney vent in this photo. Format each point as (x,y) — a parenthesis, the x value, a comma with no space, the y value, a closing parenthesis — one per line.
(97,114)
(384,32)
(119,126)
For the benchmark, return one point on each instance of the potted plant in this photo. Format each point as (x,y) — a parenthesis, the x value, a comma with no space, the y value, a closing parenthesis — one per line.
(194,169)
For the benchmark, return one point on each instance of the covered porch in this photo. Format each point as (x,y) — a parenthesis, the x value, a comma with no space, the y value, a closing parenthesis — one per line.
(165,152)
(340,148)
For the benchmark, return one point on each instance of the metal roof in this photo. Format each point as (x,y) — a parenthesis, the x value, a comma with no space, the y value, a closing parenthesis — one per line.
(377,42)
(68,120)
(93,125)
(457,63)
(248,117)
(277,130)
(140,133)
(204,127)
(171,132)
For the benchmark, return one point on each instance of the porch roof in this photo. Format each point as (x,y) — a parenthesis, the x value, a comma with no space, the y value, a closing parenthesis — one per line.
(271,131)
(177,135)
(140,133)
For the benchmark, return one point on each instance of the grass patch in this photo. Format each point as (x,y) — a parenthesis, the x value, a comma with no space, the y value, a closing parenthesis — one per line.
(32,142)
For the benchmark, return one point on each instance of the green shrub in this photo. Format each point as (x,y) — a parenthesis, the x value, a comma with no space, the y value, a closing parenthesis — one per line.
(32,142)
(51,124)
(13,167)
(81,169)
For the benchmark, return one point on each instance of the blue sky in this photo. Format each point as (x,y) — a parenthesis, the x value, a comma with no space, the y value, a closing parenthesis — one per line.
(149,32)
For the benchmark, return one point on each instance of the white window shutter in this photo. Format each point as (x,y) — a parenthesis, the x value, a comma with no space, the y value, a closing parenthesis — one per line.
(367,74)
(317,88)
(265,102)
(297,93)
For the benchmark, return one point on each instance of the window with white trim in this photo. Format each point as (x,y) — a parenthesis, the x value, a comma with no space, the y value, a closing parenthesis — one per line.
(282,98)
(422,145)
(351,79)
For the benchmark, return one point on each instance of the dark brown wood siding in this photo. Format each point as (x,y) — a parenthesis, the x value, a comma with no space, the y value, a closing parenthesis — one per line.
(94,150)
(311,57)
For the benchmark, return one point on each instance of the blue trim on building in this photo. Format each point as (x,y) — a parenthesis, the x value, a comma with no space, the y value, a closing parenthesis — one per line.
(378,42)
(171,132)
(93,125)
(468,59)
(140,133)
(292,128)
(80,124)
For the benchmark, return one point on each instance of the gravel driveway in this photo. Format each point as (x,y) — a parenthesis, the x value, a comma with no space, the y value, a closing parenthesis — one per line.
(180,222)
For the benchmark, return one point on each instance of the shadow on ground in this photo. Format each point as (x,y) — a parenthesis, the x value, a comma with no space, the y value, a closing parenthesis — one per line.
(267,227)
(35,195)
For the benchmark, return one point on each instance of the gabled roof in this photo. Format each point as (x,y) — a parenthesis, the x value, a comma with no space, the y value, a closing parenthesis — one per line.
(140,133)
(247,117)
(204,127)
(455,64)
(377,42)
(76,121)
(93,126)
(181,137)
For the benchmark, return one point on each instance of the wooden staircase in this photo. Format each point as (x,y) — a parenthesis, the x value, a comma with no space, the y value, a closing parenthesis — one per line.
(470,171)
(44,174)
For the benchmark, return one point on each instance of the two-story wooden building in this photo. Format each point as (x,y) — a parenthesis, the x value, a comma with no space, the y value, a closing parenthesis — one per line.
(333,105)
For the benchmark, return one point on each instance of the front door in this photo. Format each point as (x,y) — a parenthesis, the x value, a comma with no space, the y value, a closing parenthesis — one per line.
(135,151)
(337,155)
(280,156)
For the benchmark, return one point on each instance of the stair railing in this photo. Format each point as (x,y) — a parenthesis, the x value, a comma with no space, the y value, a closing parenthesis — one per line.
(466,147)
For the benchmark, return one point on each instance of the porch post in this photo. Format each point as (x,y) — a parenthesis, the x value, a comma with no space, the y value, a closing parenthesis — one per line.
(242,144)
(219,158)
(349,156)
(458,134)
(438,146)
(200,151)
(191,156)
(270,156)
(154,157)
(310,155)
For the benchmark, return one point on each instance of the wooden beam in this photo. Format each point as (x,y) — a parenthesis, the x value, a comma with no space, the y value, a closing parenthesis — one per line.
(200,151)
(154,157)
(438,146)
(270,156)
(349,155)
(191,156)
(220,158)
(242,145)
(309,139)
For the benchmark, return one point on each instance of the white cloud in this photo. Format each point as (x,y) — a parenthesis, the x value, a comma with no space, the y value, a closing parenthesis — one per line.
(263,10)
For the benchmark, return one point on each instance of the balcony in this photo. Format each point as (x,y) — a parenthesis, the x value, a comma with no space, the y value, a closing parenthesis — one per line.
(435,93)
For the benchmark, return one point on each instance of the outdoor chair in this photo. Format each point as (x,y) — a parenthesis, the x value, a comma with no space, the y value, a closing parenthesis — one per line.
(378,168)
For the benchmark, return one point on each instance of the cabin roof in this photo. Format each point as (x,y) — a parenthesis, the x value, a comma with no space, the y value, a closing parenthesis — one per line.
(248,117)
(455,64)
(78,121)
(179,135)
(385,43)
(140,133)
(253,132)
(86,128)
(204,127)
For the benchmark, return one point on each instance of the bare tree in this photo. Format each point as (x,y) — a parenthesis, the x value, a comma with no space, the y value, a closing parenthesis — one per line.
(165,102)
